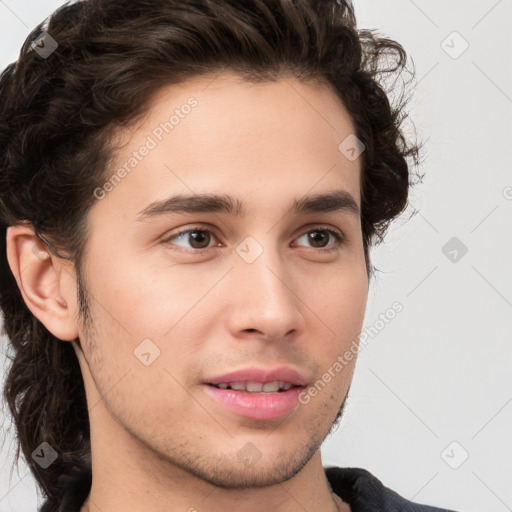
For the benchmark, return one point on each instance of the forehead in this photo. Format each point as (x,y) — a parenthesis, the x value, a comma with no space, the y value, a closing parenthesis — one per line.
(222,134)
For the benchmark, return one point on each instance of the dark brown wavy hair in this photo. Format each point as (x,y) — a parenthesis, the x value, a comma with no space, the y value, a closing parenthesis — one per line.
(57,118)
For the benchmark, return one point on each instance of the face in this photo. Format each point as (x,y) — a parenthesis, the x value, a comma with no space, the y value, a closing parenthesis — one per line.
(183,293)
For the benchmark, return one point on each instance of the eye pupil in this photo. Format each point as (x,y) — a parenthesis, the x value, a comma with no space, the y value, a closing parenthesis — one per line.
(318,236)
(199,237)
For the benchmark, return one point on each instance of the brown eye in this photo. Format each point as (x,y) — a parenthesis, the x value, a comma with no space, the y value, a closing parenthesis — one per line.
(319,238)
(196,238)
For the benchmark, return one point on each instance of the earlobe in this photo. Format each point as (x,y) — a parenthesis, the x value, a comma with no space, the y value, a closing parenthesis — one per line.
(40,274)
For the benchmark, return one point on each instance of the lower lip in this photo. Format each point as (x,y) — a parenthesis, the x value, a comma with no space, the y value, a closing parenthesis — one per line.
(258,406)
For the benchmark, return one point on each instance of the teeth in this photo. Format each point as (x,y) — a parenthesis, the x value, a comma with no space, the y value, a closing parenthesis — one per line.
(256,387)
(237,386)
(275,386)
(272,387)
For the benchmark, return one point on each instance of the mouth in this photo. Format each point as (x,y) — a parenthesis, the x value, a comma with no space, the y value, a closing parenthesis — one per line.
(276,386)
(256,393)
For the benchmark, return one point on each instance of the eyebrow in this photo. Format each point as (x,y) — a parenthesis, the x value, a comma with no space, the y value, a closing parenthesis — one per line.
(337,200)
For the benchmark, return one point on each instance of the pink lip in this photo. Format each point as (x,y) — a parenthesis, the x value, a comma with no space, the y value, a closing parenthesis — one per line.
(262,375)
(258,406)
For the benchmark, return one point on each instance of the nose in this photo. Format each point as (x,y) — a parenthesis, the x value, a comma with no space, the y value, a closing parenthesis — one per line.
(266,299)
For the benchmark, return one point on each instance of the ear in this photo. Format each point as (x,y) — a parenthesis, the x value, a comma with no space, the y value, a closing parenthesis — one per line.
(46,281)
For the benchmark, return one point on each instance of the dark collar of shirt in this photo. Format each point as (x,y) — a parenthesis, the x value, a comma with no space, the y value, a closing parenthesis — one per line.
(355,486)
(366,493)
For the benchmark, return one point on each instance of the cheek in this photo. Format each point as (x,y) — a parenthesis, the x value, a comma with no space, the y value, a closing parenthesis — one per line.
(340,307)
(145,301)
(143,316)
(339,301)
(145,370)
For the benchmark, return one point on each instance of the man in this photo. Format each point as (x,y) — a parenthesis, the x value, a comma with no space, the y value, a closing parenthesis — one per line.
(189,194)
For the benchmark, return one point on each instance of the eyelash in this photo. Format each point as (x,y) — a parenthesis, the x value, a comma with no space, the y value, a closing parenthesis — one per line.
(340,239)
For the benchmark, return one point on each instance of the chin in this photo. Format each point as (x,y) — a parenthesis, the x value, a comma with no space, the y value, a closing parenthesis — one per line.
(250,470)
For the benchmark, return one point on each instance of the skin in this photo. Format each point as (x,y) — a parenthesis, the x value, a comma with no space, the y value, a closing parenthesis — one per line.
(159,442)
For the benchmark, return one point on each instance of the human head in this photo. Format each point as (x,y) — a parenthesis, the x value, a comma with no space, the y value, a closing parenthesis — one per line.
(61,114)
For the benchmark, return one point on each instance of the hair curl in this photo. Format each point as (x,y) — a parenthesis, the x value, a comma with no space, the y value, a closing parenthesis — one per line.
(58,115)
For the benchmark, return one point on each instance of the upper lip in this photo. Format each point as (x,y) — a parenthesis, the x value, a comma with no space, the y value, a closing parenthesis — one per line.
(254,374)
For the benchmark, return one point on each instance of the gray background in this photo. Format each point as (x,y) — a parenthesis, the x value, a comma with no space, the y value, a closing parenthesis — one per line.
(433,386)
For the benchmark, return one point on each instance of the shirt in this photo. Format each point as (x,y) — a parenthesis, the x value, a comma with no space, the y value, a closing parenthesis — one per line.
(366,493)
(355,486)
